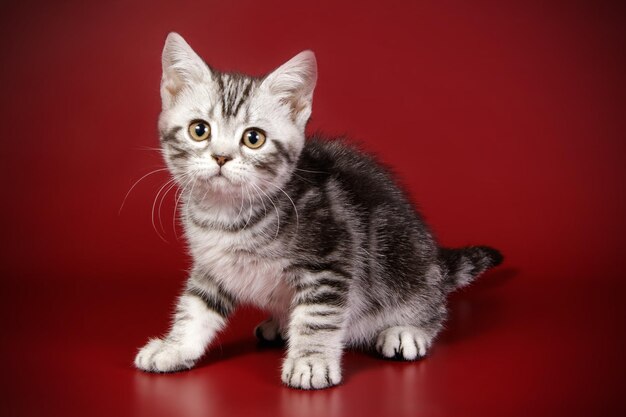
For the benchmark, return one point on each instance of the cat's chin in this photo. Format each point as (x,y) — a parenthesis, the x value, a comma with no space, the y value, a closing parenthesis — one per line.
(220,182)
(217,187)
(215,181)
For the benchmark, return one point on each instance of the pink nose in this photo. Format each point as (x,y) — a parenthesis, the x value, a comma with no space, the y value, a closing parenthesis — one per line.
(221,159)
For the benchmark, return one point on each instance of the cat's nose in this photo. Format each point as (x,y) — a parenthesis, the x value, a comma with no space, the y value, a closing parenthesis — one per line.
(221,159)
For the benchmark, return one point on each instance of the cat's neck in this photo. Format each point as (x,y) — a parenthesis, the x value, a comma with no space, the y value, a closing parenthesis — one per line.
(234,210)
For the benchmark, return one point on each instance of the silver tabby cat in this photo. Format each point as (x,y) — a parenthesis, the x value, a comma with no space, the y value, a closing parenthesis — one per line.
(312,231)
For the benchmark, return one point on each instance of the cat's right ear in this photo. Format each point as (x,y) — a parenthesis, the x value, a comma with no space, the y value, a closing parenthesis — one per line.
(181,67)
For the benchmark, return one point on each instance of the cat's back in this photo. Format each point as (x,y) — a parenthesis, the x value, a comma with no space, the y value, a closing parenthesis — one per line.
(361,214)
(363,179)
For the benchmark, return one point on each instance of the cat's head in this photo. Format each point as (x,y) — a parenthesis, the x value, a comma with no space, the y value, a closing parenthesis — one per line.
(227,131)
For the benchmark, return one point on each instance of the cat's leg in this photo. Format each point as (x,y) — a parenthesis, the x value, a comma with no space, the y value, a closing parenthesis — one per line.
(404,342)
(316,331)
(269,331)
(409,329)
(201,312)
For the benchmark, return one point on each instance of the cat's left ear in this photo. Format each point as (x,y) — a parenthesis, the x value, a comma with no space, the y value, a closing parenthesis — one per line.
(294,82)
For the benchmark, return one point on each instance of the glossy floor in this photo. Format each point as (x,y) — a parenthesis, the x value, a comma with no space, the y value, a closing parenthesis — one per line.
(503,119)
(509,349)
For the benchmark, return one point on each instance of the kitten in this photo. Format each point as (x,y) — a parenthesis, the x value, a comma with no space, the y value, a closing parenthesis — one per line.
(313,231)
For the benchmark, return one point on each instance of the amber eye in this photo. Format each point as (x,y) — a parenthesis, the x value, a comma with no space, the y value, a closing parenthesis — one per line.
(253,138)
(199,131)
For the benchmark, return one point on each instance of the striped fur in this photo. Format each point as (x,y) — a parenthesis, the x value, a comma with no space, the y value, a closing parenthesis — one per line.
(314,231)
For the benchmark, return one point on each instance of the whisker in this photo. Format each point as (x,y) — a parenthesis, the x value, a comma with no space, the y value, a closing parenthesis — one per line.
(172,185)
(135,184)
(194,179)
(302,178)
(153,207)
(180,194)
(205,194)
(292,203)
(250,208)
(313,172)
(256,188)
(241,209)
(275,208)
(148,148)
(192,187)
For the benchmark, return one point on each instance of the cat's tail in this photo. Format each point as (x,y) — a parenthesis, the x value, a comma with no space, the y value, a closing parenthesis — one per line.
(461,266)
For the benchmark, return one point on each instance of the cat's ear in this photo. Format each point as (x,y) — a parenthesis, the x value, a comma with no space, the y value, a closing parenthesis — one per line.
(181,66)
(294,82)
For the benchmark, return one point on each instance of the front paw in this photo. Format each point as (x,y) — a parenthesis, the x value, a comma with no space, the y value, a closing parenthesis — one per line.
(312,372)
(160,355)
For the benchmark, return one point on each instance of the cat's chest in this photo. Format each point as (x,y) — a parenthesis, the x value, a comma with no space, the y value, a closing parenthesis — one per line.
(250,270)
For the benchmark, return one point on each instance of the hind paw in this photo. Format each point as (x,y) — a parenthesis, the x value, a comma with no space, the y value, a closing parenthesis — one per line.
(268,331)
(403,342)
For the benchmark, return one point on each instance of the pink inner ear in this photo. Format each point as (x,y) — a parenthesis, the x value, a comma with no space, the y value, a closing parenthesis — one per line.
(297,103)
(172,88)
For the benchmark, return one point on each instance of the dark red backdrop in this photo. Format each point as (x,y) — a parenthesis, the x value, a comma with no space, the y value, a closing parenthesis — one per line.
(506,121)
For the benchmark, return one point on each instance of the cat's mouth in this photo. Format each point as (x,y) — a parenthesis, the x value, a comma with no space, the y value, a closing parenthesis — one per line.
(211,177)
(220,181)
(220,178)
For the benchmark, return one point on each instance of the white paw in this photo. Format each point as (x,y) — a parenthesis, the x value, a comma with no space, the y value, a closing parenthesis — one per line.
(314,372)
(403,342)
(160,355)
(268,331)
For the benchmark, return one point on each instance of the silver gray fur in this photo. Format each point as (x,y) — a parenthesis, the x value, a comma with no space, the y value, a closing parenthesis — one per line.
(314,231)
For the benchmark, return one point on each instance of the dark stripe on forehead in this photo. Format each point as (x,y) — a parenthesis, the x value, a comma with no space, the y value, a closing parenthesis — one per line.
(243,97)
(246,115)
(220,84)
(234,90)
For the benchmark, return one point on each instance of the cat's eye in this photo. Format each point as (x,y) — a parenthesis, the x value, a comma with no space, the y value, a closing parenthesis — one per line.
(253,138)
(199,130)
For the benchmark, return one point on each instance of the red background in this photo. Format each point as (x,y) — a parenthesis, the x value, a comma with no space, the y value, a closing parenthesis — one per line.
(505,120)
